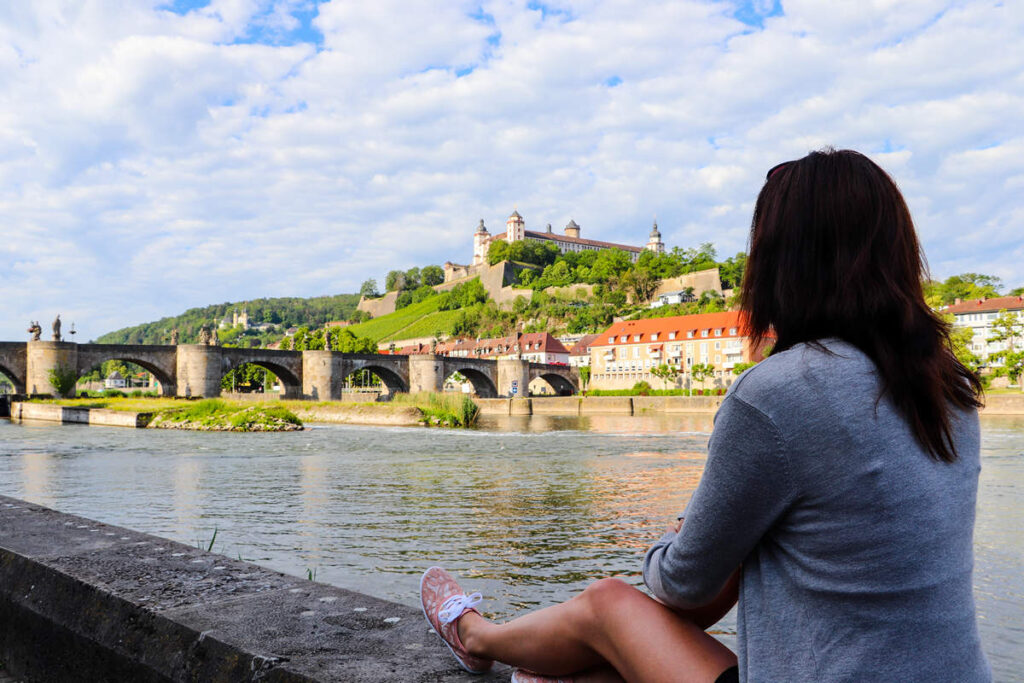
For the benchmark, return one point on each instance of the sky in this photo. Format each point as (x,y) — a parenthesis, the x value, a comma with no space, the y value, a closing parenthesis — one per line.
(157,155)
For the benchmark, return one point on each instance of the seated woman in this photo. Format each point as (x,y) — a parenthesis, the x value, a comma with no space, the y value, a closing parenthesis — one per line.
(838,497)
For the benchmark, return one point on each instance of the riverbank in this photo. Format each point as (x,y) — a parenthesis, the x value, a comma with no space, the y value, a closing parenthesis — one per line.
(442,410)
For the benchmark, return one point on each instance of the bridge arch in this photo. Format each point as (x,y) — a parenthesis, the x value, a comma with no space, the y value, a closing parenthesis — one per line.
(561,385)
(394,382)
(89,358)
(291,385)
(18,382)
(483,385)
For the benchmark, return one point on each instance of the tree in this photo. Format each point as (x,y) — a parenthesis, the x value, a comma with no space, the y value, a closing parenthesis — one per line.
(701,372)
(666,373)
(394,281)
(960,339)
(432,275)
(584,371)
(497,252)
(731,270)
(63,379)
(412,278)
(641,283)
(740,368)
(1008,327)
(369,289)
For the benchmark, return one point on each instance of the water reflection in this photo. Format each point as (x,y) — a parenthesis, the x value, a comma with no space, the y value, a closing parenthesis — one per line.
(529,509)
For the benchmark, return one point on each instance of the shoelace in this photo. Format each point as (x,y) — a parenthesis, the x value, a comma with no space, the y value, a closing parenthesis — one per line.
(453,607)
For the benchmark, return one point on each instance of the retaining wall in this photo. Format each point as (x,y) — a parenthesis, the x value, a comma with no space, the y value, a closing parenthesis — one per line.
(86,601)
(1004,404)
(87,416)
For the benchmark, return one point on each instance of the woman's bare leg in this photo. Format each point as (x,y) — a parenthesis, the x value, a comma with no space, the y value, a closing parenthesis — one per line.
(609,623)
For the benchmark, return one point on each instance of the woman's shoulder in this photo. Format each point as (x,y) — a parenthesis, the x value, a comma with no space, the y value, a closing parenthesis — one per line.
(802,371)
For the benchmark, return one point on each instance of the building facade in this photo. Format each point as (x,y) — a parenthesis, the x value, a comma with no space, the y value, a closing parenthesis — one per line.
(978,315)
(569,240)
(628,351)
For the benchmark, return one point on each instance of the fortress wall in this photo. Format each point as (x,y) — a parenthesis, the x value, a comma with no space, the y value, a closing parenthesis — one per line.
(701,281)
(378,307)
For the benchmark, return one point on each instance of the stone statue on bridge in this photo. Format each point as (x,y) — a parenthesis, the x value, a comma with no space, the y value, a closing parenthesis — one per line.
(35,330)
(174,337)
(214,341)
(56,328)
(204,335)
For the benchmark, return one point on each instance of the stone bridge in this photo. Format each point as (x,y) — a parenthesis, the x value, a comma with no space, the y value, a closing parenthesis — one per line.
(196,370)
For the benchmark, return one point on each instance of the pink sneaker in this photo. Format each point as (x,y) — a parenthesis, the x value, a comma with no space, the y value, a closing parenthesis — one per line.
(443,604)
(524,676)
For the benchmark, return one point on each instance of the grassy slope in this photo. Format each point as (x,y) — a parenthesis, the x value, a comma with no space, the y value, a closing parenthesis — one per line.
(392,326)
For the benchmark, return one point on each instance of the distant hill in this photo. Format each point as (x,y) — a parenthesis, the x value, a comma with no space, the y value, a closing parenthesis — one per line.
(281,313)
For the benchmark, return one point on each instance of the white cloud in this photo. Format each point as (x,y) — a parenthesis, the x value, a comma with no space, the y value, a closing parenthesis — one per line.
(151,161)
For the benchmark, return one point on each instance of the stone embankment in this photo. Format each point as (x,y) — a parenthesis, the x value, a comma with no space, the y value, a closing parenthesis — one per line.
(599,405)
(86,601)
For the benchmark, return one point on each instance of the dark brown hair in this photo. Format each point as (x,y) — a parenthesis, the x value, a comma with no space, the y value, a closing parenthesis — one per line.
(833,253)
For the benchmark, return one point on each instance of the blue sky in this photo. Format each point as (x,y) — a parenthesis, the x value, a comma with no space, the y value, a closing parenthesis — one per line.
(163,155)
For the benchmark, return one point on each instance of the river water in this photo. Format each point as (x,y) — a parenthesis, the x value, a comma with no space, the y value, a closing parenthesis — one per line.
(526,510)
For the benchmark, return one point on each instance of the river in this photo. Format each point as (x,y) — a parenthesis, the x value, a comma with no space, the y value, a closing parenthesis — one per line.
(526,510)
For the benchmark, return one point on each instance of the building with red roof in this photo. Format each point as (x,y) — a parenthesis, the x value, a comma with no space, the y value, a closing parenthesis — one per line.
(626,352)
(978,315)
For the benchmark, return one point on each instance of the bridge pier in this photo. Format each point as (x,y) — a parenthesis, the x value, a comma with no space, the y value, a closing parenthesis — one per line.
(513,372)
(199,370)
(323,375)
(426,373)
(43,356)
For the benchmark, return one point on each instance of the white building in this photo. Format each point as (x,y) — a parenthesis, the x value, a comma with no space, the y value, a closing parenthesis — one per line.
(668,298)
(978,316)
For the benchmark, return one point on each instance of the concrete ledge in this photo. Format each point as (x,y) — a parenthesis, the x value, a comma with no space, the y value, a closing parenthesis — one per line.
(85,601)
(494,406)
(617,405)
(556,405)
(1003,404)
(87,416)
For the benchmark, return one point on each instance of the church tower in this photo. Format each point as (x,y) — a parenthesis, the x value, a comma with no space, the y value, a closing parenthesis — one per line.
(654,243)
(515,228)
(481,243)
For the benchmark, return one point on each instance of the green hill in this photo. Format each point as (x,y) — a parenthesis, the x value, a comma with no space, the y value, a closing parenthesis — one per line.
(281,313)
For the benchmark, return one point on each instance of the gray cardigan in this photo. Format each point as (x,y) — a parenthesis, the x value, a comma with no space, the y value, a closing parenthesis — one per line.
(855,544)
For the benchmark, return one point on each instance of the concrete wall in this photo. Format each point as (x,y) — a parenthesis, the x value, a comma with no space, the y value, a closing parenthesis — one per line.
(85,601)
(1004,404)
(556,405)
(86,416)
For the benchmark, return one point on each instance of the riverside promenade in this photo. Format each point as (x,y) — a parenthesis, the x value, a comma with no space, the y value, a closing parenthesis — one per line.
(81,600)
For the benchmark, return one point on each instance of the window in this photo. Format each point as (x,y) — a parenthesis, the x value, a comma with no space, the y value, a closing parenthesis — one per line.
(636,352)
(671,335)
(611,339)
(689,334)
(732,331)
(718,332)
(654,337)
(703,333)
(636,337)
(718,345)
(718,359)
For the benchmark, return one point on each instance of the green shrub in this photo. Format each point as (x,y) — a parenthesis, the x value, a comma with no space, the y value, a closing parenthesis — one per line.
(114,393)
(63,379)
(136,393)
(642,388)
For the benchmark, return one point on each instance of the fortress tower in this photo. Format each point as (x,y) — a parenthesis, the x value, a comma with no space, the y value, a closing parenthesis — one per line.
(481,243)
(654,243)
(515,228)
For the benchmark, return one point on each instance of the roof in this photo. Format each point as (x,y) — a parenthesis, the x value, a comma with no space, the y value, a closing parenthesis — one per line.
(115,375)
(1010,303)
(555,237)
(680,324)
(582,347)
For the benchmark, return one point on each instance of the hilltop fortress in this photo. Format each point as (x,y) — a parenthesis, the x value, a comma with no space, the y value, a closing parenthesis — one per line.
(500,280)
(515,230)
